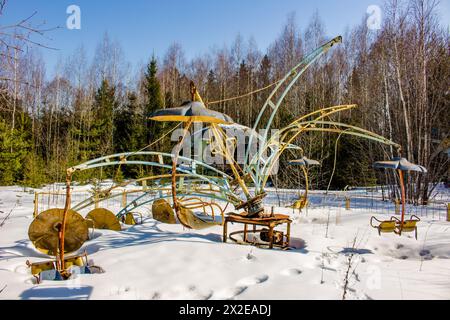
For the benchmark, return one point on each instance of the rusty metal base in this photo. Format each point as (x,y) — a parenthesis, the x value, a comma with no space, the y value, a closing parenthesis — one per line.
(269,223)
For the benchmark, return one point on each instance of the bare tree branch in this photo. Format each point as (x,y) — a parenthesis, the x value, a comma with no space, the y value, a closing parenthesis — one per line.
(7,216)
(2,5)
(18,81)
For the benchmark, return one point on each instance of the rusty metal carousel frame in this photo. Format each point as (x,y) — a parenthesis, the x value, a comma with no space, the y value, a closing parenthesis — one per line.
(186,195)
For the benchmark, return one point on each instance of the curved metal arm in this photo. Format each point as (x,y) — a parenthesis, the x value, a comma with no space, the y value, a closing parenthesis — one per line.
(193,182)
(279,138)
(371,222)
(103,161)
(303,66)
(334,127)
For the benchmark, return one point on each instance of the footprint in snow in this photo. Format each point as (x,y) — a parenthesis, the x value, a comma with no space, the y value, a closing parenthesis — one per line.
(251,281)
(228,293)
(241,286)
(183,293)
(291,272)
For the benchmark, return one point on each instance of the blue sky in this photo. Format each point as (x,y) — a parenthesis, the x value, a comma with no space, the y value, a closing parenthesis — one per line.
(143,27)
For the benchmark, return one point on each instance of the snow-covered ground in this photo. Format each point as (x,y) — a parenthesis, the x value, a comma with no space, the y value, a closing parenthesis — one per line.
(158,261)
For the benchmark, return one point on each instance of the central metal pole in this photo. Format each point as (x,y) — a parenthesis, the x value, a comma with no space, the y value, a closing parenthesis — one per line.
(402,188)
(174,170)
(62,230)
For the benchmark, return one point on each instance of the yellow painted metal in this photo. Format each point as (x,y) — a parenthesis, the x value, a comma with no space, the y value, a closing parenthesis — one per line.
(323,113)
(387,226)
(199,117)
(409,226)
(36,204)
(162,211)
(347,203)
(178,118)
(129,219)
(104,219)
(200,204)
(195,94)
(38,267)
(287,135)
(220,135)
(448,212)
(45,228)
(193,221)
(301,203)
(90,223)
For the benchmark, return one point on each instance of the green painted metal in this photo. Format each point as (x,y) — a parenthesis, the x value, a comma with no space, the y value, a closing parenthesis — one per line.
(304,65)
(89,164)
(190,183)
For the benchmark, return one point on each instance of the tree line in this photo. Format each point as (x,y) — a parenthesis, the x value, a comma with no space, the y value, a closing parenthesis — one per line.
(397,75)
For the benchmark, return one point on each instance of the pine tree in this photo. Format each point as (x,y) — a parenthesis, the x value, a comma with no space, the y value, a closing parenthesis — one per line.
(102,129)
(264,71)
(154,101)
(153,129)
(13,149)
(128,133)
(128,126)
(33,171)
